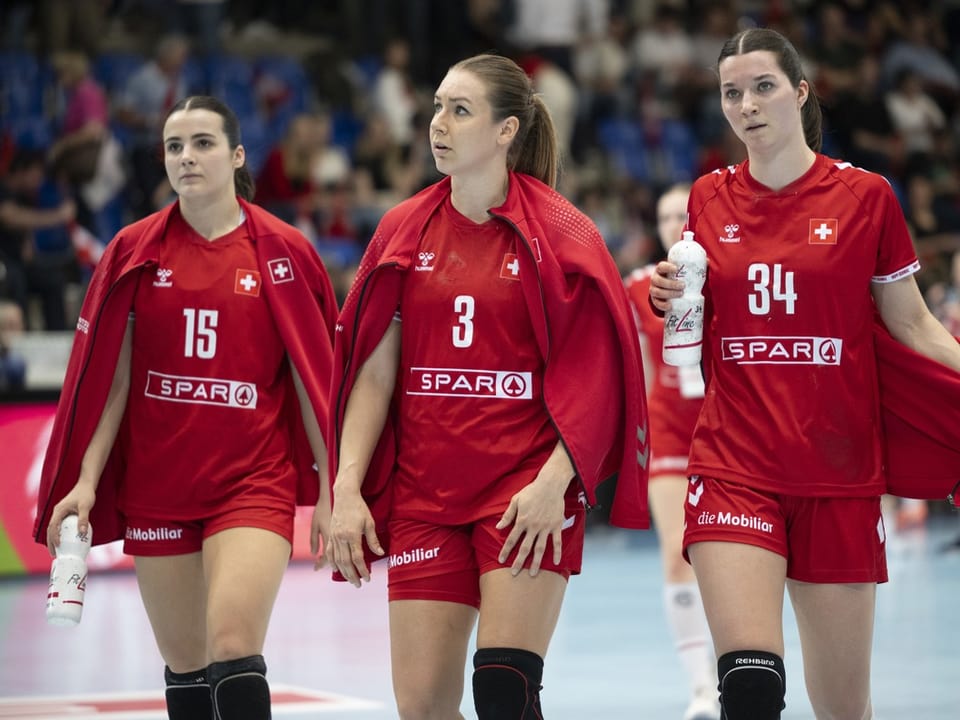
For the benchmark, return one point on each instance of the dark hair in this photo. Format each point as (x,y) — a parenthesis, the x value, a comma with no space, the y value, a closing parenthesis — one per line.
(242,178)
(534,150)
(788,59)
(26,158)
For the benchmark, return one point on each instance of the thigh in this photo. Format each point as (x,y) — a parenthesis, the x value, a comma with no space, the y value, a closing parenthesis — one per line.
(428,652)
(243,568)
(742,589)
(519,611)
(667,494)
(174,591)
(835,622)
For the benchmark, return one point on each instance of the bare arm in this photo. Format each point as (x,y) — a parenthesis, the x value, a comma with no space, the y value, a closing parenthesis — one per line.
(320,524)
(367,409)
(363,421)
(83,495)
(906,316)
(22,217)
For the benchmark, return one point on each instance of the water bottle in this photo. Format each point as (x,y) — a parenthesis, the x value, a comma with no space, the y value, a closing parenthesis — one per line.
(683,323)
(68,574)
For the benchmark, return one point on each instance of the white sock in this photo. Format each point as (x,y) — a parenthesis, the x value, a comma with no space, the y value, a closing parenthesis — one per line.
(691,635)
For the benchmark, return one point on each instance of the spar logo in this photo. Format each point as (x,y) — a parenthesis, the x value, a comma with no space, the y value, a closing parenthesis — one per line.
(793,350)
(201,391)
(457,382)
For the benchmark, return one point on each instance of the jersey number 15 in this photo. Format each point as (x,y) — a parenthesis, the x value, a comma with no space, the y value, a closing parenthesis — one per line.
(200,338)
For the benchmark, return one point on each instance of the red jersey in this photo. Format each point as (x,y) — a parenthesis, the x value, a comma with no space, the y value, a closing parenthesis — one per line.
(673,414)
(474,430)
(208,386)
(792,403)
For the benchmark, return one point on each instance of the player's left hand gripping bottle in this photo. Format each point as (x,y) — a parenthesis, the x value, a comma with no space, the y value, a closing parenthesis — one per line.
(683,323)
(68,575)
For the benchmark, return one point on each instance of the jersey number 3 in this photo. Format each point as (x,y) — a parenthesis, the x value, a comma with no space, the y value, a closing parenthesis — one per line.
(463,308)
(200,338)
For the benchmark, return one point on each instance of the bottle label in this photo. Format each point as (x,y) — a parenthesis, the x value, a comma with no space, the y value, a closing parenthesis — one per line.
(68,584)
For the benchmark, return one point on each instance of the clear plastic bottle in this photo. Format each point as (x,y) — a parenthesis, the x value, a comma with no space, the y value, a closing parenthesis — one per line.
(683,323)
(68,574)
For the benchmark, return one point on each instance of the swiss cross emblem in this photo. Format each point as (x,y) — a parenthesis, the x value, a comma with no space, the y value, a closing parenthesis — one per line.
(823,231)
(281,270)
(247,283)
(510,267)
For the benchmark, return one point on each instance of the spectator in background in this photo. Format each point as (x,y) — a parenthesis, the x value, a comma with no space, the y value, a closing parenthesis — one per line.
(836,52)
(944,298)
(394,94)
(915,114)
(202,20)
(920,49)
(26,272)
(862,124)
(13,367)
(76,25)
(285,185)
(664,52)
(75,155)
(553,29)
(145,101)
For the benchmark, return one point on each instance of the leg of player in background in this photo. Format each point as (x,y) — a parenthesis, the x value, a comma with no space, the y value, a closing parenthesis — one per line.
(682,602)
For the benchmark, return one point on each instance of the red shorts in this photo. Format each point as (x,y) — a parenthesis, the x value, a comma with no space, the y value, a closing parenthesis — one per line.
(825,540)
(154,538)
(436,562)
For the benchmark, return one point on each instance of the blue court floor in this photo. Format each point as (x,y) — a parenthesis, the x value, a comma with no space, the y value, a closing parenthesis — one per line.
(611,657)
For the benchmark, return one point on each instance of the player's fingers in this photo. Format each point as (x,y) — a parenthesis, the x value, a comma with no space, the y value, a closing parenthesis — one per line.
(508,545)
(557,537)
(539,548)
(522,552)
(509,515)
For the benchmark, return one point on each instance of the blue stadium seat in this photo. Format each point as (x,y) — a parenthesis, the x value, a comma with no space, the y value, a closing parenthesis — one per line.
(113,69)
(290,73)
(231,79)
(23,81)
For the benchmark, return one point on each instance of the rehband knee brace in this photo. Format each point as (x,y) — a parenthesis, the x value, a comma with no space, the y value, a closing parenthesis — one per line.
(239,689)
(506,684)
(188,695)
(753,684)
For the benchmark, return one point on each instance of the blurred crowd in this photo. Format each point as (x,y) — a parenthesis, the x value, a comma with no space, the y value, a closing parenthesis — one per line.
(334,98)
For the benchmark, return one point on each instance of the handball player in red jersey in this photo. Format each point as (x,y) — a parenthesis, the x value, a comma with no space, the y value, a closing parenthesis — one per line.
(786,464)
(675,396)
(205,350)
(487,379)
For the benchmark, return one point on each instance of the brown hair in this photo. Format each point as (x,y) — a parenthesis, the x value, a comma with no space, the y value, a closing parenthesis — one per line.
(788,59)
(242,178)
(534,150)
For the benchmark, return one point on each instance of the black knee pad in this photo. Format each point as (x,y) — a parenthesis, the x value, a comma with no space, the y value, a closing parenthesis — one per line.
(753,684)
(188,695)
(506,684)
(239,689)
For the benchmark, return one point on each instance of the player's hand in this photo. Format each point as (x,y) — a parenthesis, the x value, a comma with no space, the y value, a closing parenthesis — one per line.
(536,513)
(663,285)
(351,524)
(79,502)
(320,546)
